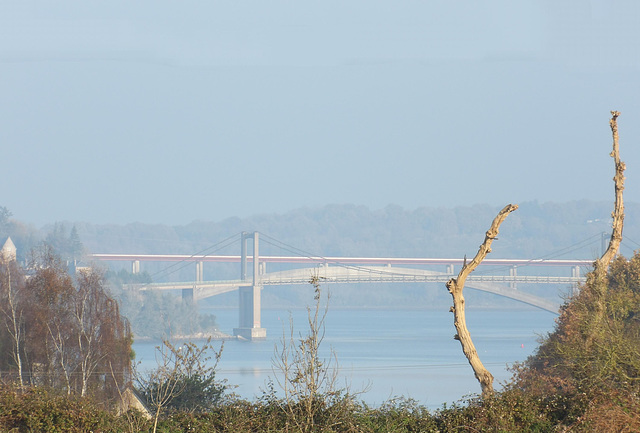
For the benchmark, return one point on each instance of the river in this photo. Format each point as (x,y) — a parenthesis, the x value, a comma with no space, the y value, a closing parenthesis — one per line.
(407,352)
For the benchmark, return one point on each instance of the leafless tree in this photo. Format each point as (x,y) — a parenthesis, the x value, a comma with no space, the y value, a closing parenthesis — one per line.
(94,313)
(598,286)
(456,286)
(60,353)
(309,381)
(602,264)
(12,310)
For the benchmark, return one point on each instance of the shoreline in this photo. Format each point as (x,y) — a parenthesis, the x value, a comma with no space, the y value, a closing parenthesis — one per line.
(215,336)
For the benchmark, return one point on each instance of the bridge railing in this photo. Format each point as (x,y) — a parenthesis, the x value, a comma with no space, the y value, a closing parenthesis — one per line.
(277,281)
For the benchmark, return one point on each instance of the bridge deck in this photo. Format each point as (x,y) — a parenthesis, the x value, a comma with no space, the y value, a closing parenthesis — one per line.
(338,274)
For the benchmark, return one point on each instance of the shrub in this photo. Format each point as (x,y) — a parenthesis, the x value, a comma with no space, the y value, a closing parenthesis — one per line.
(39,410)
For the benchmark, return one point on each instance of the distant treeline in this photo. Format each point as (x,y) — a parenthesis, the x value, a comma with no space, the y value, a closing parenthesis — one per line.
(570,229)
(536,230)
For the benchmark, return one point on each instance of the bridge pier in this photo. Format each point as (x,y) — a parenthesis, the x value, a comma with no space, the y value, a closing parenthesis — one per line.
(187,295)
(135,267)
(249,324)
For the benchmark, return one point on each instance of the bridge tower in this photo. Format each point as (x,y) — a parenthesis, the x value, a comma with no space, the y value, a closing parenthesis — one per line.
(249,326)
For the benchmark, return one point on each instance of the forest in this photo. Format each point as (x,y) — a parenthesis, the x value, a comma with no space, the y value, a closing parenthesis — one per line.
(562,230)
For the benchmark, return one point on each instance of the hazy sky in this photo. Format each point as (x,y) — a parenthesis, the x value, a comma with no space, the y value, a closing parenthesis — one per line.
(171,111)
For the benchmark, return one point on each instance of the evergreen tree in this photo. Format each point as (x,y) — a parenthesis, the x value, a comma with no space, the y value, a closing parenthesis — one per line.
(75,247)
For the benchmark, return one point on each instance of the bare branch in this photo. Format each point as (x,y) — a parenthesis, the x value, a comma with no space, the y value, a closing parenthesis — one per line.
(309,382)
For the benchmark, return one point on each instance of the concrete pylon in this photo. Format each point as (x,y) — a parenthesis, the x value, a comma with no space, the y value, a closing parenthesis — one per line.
(243,255)
(200,271)
(249,323)
(513,272)
(187,294)
(575,272)
(249,326)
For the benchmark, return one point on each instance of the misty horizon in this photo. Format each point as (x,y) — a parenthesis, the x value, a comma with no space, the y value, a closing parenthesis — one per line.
(170,113)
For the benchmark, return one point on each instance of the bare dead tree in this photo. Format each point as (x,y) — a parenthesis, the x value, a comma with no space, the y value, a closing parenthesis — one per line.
(456,286)
(602,264)
(597,286)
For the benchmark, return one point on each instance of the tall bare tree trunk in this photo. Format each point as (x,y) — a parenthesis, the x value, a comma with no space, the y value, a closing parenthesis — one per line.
(15,326)
(598,285)
(61,353)
(456,285)
(602,264)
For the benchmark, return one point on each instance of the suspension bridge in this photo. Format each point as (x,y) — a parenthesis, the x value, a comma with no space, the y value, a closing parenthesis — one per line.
(344,270)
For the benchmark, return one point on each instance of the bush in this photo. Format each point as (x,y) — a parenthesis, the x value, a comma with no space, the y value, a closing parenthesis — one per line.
(592,354)
(39,410)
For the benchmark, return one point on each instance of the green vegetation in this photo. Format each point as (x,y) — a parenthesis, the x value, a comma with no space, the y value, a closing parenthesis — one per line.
(183,381)
(590,366)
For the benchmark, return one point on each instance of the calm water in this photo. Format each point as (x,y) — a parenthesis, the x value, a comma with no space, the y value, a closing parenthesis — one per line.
(394,352)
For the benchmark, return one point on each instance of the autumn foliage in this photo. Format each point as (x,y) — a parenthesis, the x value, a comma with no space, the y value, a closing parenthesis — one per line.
(62,331)
(589,370)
